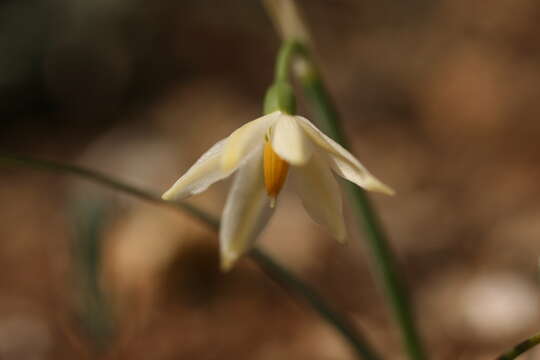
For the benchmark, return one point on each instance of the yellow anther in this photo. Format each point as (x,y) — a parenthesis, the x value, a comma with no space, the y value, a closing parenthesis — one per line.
(275,172)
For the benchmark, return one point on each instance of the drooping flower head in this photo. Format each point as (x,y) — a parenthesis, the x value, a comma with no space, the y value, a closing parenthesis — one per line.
(265,153)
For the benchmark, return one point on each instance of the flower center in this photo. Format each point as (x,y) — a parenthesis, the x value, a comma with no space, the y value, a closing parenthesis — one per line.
(275,172)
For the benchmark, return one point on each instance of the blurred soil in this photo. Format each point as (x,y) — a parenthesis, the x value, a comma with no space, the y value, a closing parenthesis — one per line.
(440,100)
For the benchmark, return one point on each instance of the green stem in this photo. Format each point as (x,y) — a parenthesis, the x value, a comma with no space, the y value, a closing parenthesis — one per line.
(521,348)
(288,50)
(108,181)
(381,251)
(277,272)
(359,344)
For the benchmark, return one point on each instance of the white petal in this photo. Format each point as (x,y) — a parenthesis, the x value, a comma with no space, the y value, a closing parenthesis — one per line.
(246,212)
(342,161)
(290,142)
(320,194)
(242,141)
(206,171)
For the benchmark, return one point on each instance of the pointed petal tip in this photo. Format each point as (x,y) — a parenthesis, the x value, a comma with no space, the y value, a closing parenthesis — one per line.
(175,193)
(167,195)
(228,259)
(342,238)
(341,231)
(377,186)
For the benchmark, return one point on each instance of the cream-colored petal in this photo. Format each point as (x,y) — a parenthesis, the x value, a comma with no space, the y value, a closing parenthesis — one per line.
(320,194)
(242,141)
(342,161)
(290,142)
(206,171)
(246,212)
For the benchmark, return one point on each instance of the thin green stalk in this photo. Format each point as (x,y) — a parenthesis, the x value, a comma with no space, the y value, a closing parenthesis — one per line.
(94,309)
(382,254)
(288,51)
(108,181)
(384,259)
(276,271)
(339,322)
(521,348)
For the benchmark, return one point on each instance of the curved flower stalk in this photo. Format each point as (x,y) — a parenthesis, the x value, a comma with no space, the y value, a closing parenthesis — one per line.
(264,153)
(287,20)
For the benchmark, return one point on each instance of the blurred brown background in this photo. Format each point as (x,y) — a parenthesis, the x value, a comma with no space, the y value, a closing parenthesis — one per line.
(441,101)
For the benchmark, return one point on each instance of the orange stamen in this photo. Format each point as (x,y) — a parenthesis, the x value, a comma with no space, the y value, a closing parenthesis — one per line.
(275,172)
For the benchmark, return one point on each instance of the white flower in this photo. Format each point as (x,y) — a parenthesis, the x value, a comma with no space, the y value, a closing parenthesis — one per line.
(264,152)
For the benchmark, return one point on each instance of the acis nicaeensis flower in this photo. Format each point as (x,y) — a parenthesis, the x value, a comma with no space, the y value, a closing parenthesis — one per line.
(265,152)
